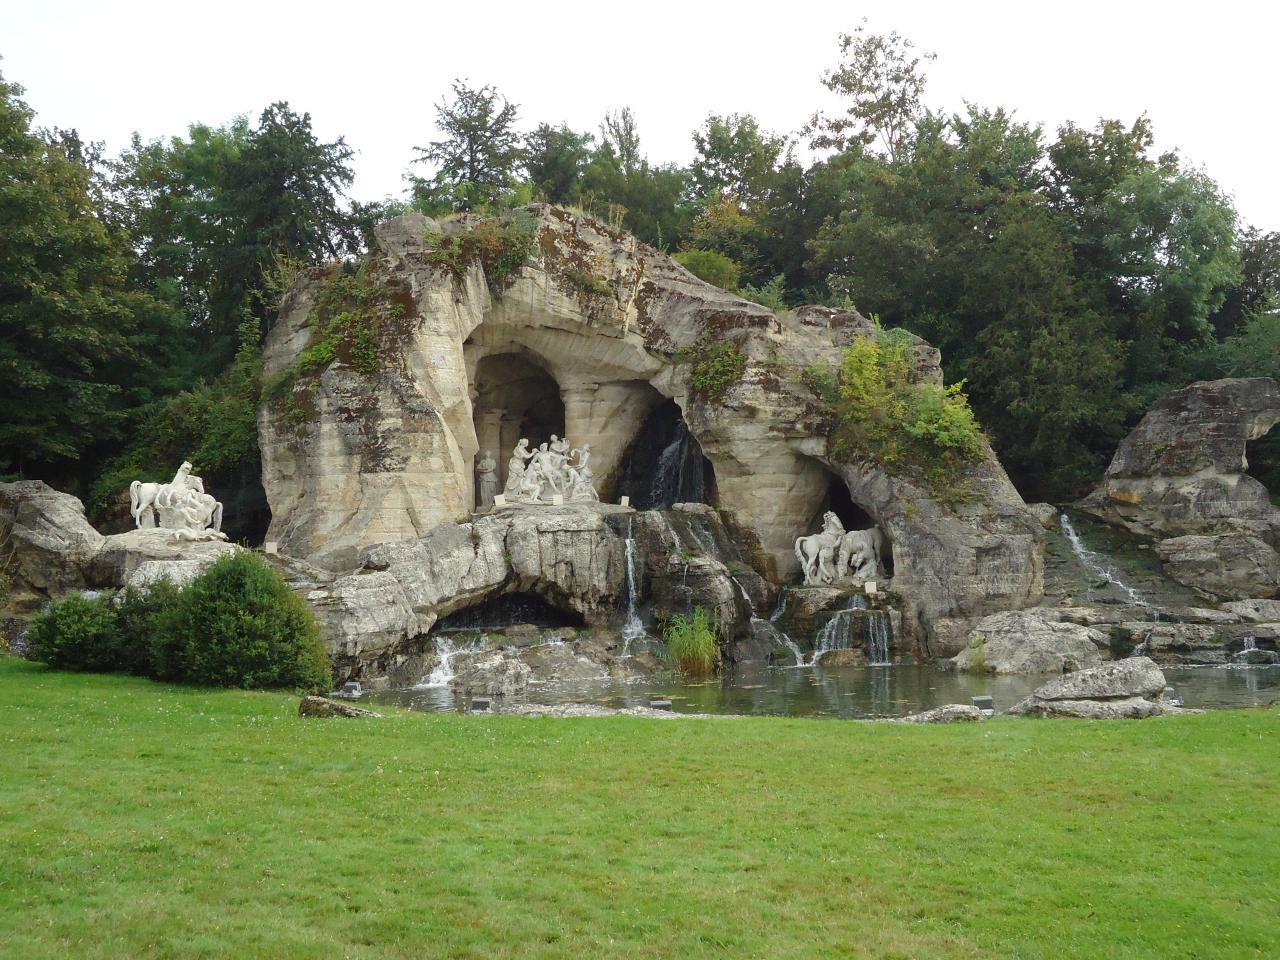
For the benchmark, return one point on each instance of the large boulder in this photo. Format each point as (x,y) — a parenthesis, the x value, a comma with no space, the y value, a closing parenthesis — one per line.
(1171,643)
(1232,566)
(46,544)
(356,454)
(1125,689)
(494,674)
(1182,469)
(1030,641)
(1254,610)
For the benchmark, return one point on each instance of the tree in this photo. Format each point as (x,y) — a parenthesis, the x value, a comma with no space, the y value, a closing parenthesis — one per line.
(555,158)
(619,133)
(480,149)
(734,157)
(884,82)
(68,370)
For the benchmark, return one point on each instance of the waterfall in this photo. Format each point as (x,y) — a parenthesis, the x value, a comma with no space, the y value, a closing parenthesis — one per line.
(837,634)
(443,671)
(633,629)
(878,634)
(1094,563)
(1250,643)
(765,628)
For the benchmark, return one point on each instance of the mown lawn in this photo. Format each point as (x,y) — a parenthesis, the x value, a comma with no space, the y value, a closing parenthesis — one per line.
(143,820)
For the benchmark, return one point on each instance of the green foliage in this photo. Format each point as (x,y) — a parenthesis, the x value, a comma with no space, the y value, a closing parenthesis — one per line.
(735,158)
(502,247)
(214,426)
(479,150)
(555,158)
(236,625)
(77,633)
(715,268)
(883,413)
(771,294)
(716,366)
(693,642)
(239,625)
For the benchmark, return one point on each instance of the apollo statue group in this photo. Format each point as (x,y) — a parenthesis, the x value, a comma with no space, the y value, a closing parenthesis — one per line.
(554,469)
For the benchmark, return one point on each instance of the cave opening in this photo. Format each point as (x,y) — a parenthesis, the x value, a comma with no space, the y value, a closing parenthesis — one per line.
(515,398)
(509,610)
(1262,462)
(665,464)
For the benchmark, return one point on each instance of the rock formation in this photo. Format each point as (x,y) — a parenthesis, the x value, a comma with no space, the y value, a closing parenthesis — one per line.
(588,338)
(1127,689)
(1031,641)
(1182,469)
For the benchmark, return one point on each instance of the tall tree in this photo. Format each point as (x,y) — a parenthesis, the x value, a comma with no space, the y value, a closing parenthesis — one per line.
(68,371)
(555,158)
(734,157)
(619,133)
(479,152)
(884,82)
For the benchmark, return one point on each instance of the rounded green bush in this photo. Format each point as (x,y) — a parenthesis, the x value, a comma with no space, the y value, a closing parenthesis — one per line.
(239,625)
(713,267)
(77,633)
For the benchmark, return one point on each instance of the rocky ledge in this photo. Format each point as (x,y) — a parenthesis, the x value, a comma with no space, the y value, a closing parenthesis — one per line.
(1127,689)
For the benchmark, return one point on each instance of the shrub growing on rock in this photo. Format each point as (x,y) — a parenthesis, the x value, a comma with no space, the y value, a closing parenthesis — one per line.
(710,266)
(239,625)
(78,632)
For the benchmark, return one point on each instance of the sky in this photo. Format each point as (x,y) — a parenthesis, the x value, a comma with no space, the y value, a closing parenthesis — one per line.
(373,71)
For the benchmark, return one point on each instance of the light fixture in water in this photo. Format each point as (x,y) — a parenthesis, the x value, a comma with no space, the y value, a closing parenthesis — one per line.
(660,704)
(480,705)
(986,705)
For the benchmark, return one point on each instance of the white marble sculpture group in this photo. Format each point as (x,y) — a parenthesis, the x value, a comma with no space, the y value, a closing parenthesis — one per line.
(835,553)
(180,506)
(554,469)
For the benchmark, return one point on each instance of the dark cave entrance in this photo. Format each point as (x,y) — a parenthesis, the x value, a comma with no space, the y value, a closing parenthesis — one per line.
(839,501)
(665,464)
(1263,462)
(508,610)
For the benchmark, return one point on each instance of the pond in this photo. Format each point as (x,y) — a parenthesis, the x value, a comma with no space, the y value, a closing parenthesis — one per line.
(846,692)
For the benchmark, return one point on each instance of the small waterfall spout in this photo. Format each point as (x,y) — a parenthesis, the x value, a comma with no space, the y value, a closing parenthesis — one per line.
(633,628)
(443,672)
(878,635)
(764,629)
(1095,564)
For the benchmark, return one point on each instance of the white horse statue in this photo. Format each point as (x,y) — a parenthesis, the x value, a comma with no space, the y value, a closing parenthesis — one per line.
(817,553)
(143,495)
(860,554)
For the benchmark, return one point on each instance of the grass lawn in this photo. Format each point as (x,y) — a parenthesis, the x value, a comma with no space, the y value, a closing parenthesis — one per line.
(144,820)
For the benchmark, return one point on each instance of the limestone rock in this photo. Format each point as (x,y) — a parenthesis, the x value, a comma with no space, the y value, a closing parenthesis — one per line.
(123,553)
(494,674)
(46,544)
(1172,644)
(1125,689)
(1030,641)
(948,713)
(1255,610)
(1231,566)
(352,458)
(1182,469)
(1046,513)
(177,572)
(324,707)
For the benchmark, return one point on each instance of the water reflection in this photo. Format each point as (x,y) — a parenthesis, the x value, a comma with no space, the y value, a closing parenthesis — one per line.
(850,692)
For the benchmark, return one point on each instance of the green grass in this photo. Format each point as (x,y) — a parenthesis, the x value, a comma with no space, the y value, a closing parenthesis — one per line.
(144,820)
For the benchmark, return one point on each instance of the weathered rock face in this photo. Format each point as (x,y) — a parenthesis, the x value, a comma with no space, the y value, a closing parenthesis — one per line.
(569,555)
(1255,611)
(1228,567)
(1126,689)
(1182,470)
(353,459)
(1031,641)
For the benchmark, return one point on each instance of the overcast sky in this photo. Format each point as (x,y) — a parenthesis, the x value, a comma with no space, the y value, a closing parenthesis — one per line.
(372,71)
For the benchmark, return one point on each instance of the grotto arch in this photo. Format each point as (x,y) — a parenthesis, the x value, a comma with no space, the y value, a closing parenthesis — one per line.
(1262,462)
(513,397)
(829,492)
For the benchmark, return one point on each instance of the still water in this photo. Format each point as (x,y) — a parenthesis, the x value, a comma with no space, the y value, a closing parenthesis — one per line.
(848,692)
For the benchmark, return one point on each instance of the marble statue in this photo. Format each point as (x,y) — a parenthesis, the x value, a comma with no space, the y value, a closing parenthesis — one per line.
(180,506)
(837,554)
(817,553)
(515,469)
(860,554)
(487,473)
(554,469)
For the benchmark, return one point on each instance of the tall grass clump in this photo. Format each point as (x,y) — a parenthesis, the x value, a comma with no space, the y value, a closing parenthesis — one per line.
(693,642)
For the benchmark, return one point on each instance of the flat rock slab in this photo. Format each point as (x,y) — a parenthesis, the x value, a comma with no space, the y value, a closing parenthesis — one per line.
(1133,677)
(324,707)
(1126,708)
(948,713)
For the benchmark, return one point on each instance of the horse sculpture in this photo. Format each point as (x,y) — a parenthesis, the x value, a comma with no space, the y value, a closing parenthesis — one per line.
(860,554)
(143,495)
(817,552)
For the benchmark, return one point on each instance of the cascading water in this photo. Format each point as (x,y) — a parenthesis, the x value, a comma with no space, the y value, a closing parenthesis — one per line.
(633,629)
(677,476)
(878,635)
(764,629)
(443,672)
(840,631)
(1094,563)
